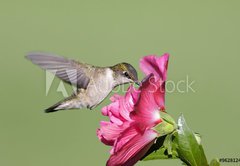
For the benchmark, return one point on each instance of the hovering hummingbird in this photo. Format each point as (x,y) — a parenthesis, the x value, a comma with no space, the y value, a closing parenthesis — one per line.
(93,83)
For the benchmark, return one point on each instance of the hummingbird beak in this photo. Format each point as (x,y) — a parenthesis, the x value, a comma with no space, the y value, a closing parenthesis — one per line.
(137,82)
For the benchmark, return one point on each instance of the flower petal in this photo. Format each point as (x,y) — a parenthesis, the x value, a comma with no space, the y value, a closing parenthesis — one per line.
(133,149)
(121,106)
(109,132)
(127,103)
(112,110)
(125,137)
(156,65)
(150,102)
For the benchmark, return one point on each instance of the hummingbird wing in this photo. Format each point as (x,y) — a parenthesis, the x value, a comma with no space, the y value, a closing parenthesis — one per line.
(70,71)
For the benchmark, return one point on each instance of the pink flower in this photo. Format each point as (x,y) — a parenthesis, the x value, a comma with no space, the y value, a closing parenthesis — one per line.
(133,117)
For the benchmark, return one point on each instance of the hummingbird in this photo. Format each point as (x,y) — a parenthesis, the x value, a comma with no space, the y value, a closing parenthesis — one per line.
(93,83)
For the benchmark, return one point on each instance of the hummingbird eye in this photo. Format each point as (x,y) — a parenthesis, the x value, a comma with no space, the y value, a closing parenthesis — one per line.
(126,75)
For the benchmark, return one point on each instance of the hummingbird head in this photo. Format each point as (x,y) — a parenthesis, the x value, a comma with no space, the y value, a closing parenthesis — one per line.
(125,73)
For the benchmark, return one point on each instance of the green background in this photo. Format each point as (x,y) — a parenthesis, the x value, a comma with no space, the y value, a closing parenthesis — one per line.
(202,37)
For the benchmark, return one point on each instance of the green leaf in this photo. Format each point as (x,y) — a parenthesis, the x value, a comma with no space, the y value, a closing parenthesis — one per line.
(162,149)
(214,162)
(168,144)
(161,154)
(187,146)
(167,118)
(167,125)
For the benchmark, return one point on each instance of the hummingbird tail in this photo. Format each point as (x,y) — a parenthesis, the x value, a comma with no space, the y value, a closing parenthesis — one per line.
(52,108)
(67,103)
